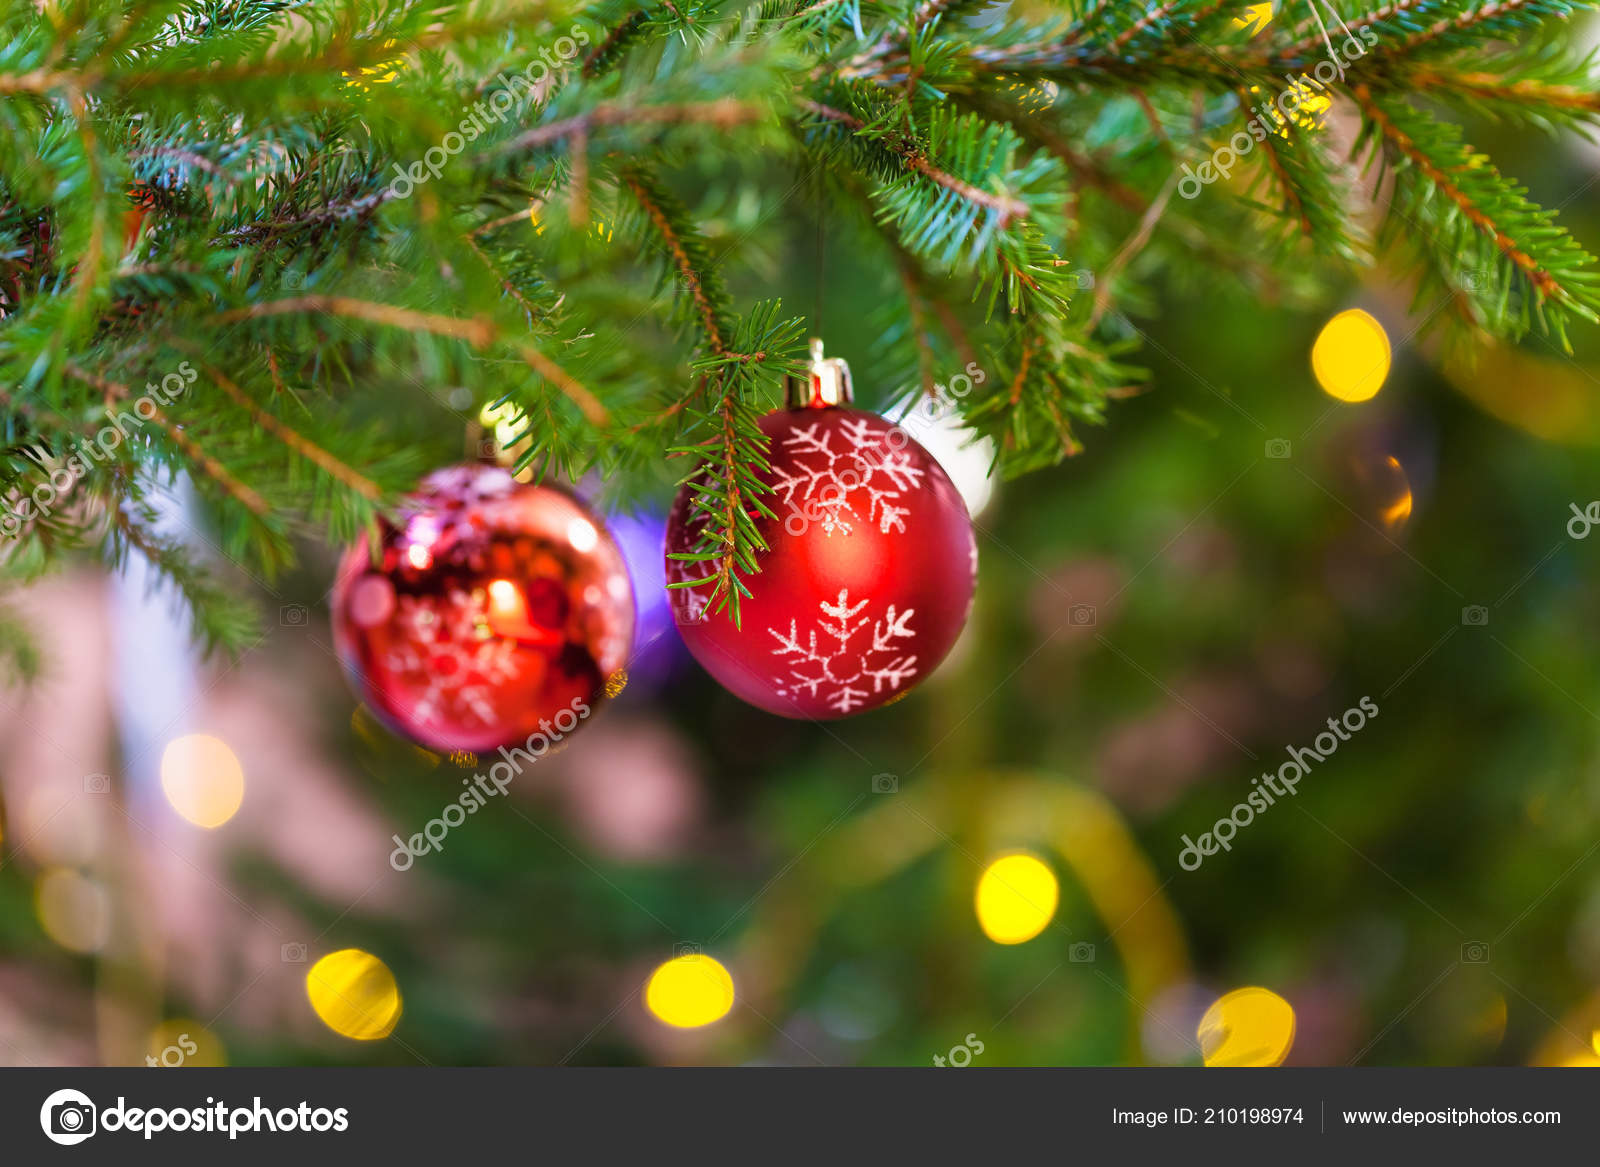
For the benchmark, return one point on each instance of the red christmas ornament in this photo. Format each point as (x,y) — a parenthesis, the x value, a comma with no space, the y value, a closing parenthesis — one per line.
(870,569)
(494,611)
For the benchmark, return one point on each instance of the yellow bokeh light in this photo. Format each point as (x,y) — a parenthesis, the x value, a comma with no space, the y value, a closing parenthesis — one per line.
(690,991)
(1351,356)
(355,994)
(1016,899)
(599,228)
(202,779)
(1256,15)
(183,1041)
(380,74)
(491,416)
(1247,1027)
(73,910)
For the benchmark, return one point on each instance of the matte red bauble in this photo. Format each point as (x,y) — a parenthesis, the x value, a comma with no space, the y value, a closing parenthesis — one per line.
(868,576)
(491,607)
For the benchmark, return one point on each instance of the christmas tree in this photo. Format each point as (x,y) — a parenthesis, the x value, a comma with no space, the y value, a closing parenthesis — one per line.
(311,218)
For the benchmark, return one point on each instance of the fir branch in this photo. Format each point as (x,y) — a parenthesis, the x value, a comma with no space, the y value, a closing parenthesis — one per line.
(607,51)
(1454,189)
(477,331)
(221,621)
(1294,206)
(1544,87)
(727,505)
(198,457)
(1154,16)
(301,445)
(480,332)
(1497,88)
(1005,208)
(723,113)
(1316,43)
(1486,14)
(686,252)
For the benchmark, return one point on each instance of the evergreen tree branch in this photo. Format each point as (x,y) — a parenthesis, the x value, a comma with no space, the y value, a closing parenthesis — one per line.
(1005,208)
(480,332)
(1454,185)
(723,113)
(301,445)
(242,493)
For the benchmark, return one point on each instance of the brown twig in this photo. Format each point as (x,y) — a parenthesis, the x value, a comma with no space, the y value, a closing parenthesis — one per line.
(1017,382)
(1542,280)
(1377,16)
(1492,87)
(1291,198)
(723,113)
(505,283)
(1159,12)
(182,439)
(1082,24)
(1459,23)
(198,161)
(680,259)
(612,39)
(477,331)
(1006,208)
(296,441)
(1125,255)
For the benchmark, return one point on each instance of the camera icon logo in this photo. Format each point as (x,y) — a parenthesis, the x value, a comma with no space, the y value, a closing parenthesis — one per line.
(1083,279)
(97,783)
(1081,953)
(1474,952)
(488,450)
(68,1117)
(885,784)
(293,953)
(293,615)
(685,948)
(1278,448)
(1475,616)
(1081,615)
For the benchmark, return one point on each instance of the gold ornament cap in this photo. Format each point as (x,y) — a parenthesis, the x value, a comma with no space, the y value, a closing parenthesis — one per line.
(827,385)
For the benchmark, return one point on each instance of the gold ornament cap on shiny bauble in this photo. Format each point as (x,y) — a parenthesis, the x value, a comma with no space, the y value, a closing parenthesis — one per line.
(827,385)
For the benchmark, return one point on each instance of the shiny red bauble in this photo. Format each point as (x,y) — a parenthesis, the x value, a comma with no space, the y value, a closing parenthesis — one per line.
(867,581)
(492,612)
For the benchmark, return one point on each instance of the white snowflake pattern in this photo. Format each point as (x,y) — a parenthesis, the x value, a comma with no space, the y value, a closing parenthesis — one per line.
(455,666)
(839,657)
(832,486)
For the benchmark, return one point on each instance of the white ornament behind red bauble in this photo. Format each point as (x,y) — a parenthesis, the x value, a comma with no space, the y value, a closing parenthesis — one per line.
(869,572)
(493,612)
